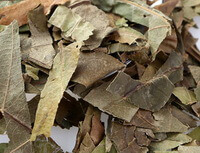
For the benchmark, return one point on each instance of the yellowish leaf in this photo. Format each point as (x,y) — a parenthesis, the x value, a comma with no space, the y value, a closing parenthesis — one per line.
(64,66)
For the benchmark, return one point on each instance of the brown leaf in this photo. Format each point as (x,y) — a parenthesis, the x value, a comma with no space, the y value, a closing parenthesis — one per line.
(183,117)
(141,137)
(8,14)
(196,108)
(167,7)
(87,145)
(94,66)
(97,130)
(124,139)
(85,127)
(143,118)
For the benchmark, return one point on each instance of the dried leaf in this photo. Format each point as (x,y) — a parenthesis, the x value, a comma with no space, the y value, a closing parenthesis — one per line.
(150,95)
(9,13)
(187,149)
(166,122)
(195,71)
(172,141)
(183,117)
(196,108)
(42,145)
(144,119)
(167,7)
(124,139)
(111,103)
(98,19)
(97,130)
(71,24)
(42,51)
(157,22)
(94,66)
(32,72)
(85,127)
(100,148)
(130,36)
(87,145)
(64,66)
(186,96)
(172,68)
(194,134)
(12,97)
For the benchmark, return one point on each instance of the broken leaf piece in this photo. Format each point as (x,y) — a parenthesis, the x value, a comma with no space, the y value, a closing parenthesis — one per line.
(166,122)
(9,13)
(111,103)
(142,118)
(186,96)
(194,134)
(42,145)
(41,51)
(195,71)
(196,108)
(157,22)
(172,68)
(71,24)
(13,104)
(150,95)
(172,141)
(32,72)
(124,139)
(98,19)
(64,66)
(188,149)
(94,66)
(130,36)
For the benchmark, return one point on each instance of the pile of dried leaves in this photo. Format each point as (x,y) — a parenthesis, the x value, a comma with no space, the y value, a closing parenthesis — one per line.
(136,63)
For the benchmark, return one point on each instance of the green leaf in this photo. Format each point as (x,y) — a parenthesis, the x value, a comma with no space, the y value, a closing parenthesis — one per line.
(71,24)
(150,95)
(13,104)
(186,96)
(64,66)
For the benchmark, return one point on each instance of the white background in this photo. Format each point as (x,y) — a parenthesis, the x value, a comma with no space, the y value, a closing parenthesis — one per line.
(66,138)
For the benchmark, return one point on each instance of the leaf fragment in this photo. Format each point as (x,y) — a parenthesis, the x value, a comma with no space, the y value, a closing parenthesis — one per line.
(71,24)
(94,66)
(41,52)
(64,66)
(186,96)
(13,104)
(150,95)
(111,103)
